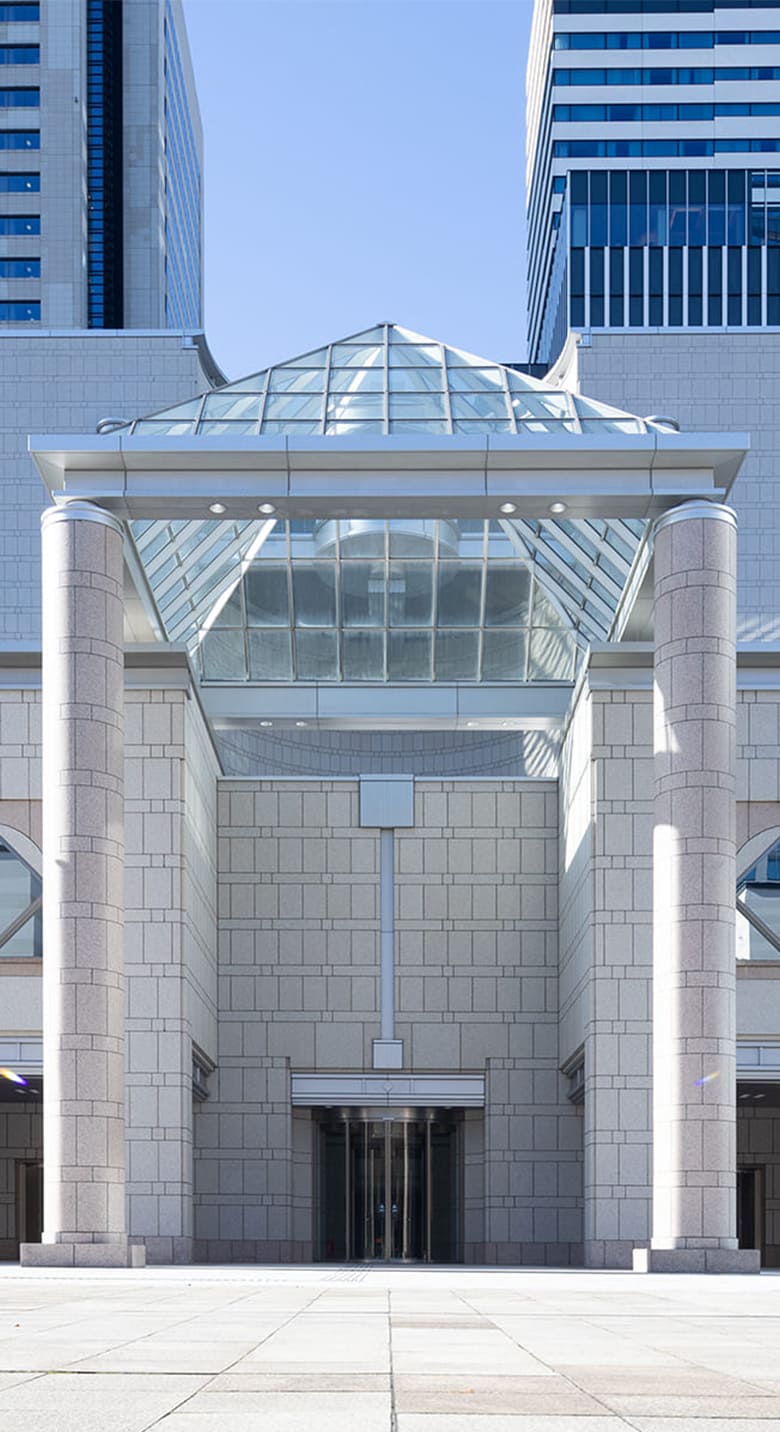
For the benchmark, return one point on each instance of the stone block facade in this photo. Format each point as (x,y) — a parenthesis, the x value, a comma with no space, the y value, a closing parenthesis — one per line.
(523,928)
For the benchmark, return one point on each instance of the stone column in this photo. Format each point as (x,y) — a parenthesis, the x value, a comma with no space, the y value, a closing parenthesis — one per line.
(694,882)
(83,896)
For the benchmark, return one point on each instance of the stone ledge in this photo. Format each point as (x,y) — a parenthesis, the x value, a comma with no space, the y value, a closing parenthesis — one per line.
(697,1260)
(119,1254)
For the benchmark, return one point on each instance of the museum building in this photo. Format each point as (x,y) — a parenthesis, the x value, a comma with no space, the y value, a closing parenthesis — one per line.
(400,819)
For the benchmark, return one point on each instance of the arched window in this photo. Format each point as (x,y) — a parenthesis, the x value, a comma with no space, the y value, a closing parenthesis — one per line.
(21,932)
(758,907)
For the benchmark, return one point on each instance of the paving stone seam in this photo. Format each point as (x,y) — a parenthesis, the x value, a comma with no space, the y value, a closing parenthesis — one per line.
(156,1421)
(565,1378)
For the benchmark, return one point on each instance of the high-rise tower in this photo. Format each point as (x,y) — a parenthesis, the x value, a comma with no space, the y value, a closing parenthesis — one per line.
(653,166)
(101,189)
(100,241)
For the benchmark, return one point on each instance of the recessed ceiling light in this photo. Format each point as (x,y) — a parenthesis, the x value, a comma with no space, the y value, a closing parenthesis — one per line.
(471,723)
(557,508)
(300,723)
(217,508)
(266,508)
(266,723)
(508,508)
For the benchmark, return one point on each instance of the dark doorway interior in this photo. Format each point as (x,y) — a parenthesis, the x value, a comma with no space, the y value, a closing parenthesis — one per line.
(389,1186)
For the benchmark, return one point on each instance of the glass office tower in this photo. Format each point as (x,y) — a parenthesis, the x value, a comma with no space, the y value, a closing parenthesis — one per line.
(100,175)
(653,167)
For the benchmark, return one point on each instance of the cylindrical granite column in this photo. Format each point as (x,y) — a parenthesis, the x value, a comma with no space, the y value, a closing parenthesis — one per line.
(83,895)
(694,879)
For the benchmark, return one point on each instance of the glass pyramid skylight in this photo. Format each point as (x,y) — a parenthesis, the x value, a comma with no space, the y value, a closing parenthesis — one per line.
(390,600)
(386,380)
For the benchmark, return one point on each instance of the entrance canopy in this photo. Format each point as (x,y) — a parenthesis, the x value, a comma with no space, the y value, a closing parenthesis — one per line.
(387,511)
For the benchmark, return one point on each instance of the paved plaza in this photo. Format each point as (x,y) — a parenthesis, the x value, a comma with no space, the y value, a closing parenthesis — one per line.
(396,1350)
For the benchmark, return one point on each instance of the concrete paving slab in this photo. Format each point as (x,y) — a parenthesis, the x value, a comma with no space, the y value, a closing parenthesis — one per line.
(246,1381)
(696,1405)
(79,1403)
(291,1412)
(681,1379)
(12,1379)
(149,1355)
(493,1396)
(44,1354)
(482,1350)
(705,1424)
(415,1422)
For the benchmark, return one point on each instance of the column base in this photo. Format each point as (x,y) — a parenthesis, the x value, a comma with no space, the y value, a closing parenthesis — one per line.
(119,1253)
(697,1260)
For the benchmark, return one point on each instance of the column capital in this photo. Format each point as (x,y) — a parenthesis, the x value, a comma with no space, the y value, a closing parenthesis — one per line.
(77,510)
(700,509)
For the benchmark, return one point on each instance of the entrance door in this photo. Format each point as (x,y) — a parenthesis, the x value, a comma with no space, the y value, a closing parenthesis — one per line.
(750,1208)
(389,1188)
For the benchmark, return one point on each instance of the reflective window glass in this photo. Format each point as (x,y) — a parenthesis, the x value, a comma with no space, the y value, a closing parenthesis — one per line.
(551,655)
(410,656)
(363,656)
(316,655)
(507,595)
(459,594)
(758,892)
(19,888)
(222,656)
(270,656)
(504,655)
(362,594)
(232,613)
(410,594)
(314,594)
(456,656)
(266,593)
(362,538)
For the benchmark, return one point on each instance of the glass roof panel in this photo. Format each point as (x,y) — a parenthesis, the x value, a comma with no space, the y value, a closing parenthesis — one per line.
(414,425)
(475,380)
(232,405)
(169,429)
(293,405)
(236,429)
(392,360)
(356,405)
(296,380)
(357,380)
(417,405)
(416,380)
(479,405)
(398,601)
(415,356)
(368,600)
(356,355)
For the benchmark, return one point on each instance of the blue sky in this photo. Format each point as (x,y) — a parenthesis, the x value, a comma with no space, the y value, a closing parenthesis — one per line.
(364,163)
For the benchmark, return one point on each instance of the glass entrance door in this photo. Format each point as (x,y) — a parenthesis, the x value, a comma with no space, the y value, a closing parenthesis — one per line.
(389,1187)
